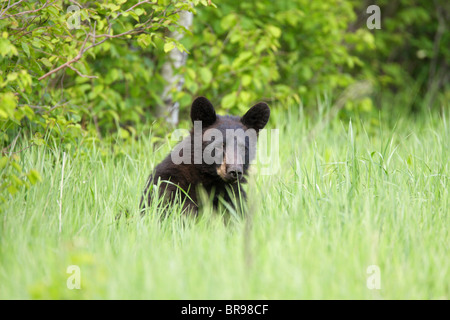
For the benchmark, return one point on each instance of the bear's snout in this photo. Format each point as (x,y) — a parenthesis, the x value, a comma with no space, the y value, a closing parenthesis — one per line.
(235,172)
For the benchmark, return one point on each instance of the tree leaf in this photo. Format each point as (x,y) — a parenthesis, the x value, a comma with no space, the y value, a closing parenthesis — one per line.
(205,75)
(169,46)
(26,49)
(229,100)
(3,162)
(34,176)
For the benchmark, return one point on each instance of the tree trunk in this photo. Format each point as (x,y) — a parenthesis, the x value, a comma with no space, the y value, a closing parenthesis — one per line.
(176,59)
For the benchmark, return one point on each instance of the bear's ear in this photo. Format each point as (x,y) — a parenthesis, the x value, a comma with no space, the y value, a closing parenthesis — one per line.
(257,117)
(203,110)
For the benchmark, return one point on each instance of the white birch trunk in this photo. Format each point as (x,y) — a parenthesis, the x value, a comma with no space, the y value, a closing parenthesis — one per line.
(175,60)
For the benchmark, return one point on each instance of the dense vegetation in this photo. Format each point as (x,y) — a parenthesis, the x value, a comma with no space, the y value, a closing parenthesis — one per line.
(100,80)
(363,117)
(342,202)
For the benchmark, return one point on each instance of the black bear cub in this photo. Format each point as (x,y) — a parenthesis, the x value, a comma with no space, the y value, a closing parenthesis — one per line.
(215,156)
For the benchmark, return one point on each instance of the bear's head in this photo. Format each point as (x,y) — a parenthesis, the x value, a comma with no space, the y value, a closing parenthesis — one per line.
(226,144)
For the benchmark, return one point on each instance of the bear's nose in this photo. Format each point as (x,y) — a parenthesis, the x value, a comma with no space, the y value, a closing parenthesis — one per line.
(235,173)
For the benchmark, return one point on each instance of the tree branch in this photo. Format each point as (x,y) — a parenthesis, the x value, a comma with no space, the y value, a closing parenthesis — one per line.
(9,7)
(92,35)
(134,6)
(65,65)
(3,16)
(80,74)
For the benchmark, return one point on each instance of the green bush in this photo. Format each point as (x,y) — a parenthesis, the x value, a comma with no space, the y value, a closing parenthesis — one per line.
(74,86)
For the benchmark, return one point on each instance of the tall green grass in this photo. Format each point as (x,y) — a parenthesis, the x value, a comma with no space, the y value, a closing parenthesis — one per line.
(348,196)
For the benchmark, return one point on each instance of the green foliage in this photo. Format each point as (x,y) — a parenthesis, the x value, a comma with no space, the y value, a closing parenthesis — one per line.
(13,177)
(273,50)
(293,51)
(76,77)
(408,59)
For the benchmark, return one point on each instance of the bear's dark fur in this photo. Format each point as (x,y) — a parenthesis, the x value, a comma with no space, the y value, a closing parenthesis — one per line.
(218,179)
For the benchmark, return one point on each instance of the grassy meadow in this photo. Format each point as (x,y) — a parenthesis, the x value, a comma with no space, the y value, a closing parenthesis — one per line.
(349,194)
